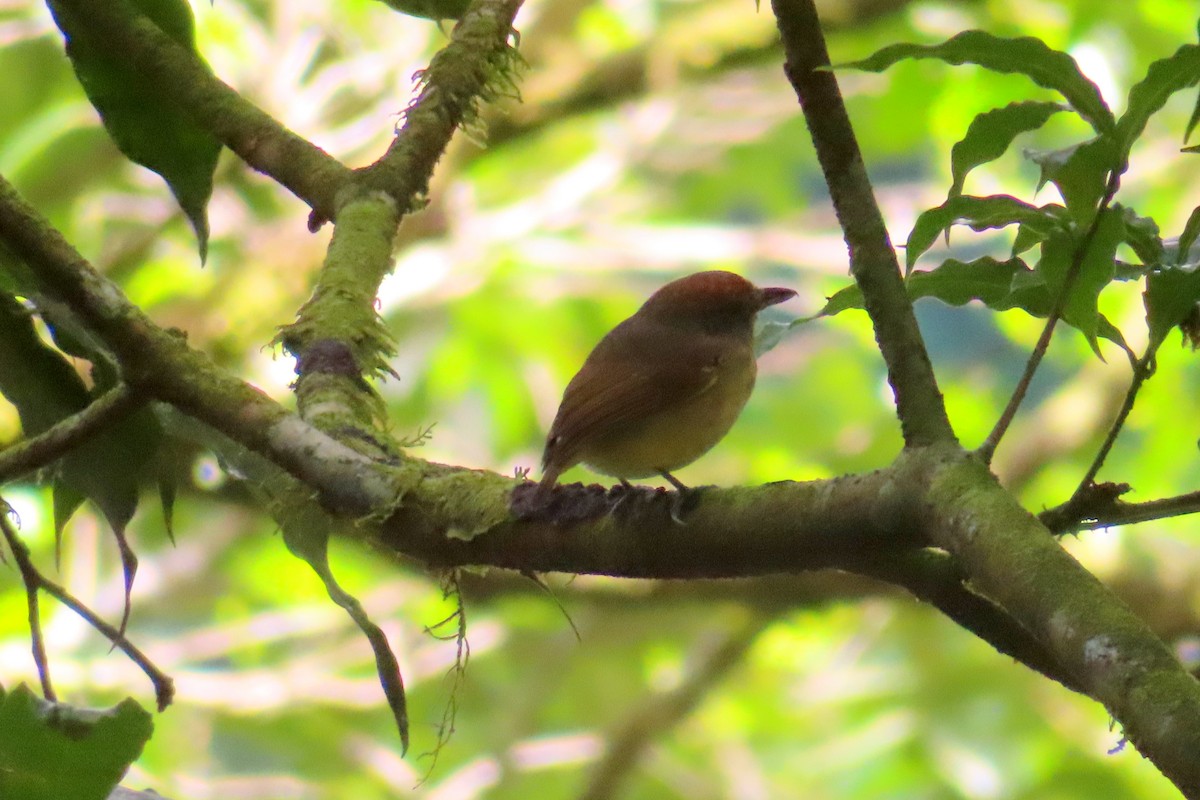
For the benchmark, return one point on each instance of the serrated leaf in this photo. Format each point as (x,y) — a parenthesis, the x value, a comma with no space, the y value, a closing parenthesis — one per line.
(1000,285)
(1171,294)
(1164,77)
(1026,55)
(148,127)
(958,282)
(1096,270)
(990,135)
(1080,173)
(1188,238)
(980,213)
(1142,236)
(51,751)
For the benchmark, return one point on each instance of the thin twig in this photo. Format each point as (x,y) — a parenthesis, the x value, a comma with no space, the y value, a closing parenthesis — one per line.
(164,687)
(56,441)
(988,448)
(1141,371)
(1068,519)
(31,579)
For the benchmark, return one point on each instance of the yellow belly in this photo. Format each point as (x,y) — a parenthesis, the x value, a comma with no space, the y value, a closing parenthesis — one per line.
(676,436)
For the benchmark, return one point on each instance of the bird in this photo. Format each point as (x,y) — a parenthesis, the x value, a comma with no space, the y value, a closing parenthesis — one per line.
(663,386)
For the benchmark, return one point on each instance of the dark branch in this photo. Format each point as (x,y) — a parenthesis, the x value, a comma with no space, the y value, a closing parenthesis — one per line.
(873,262)
(55,442)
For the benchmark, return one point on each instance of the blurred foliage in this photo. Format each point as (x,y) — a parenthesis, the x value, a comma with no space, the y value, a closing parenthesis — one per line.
(655,139)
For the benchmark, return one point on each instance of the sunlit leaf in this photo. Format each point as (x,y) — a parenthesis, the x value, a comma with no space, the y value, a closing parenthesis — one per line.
(1164,77)
(990,135)
(1051,69)
(980,213)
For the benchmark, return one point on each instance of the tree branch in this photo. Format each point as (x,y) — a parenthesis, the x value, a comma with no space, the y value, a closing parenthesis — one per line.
(476,67)
(58,440)
(1091,634)
(449,516)
(873,262)
(179,74)
(338,338)
(1102,509)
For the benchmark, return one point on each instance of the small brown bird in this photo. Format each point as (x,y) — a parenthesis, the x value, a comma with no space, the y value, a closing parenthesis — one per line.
(663,386)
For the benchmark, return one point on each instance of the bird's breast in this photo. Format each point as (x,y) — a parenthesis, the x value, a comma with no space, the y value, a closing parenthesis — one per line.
(682,432)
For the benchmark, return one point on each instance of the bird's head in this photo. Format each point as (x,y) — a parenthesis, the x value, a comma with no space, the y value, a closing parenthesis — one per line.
(715,301)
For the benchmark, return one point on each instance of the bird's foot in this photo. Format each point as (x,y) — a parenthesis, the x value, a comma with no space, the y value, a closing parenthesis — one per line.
(685,498)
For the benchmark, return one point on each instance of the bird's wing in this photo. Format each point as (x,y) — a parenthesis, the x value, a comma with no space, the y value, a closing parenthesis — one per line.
(617,387)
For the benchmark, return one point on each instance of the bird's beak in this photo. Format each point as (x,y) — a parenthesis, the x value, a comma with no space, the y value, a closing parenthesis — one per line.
(773,295)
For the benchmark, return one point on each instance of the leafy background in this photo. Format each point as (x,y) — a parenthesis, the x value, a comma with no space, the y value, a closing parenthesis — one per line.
(654,139)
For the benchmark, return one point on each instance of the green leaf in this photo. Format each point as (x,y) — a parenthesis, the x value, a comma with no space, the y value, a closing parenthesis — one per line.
(1096,270)
(981,213)
(767,334)
(435,10)
(1028,56)
(1188,238)
(148,127)
(1192,120)
(1000,285)
(990,135)
(1080,173)
(106,468)
(52,751)
(842,300)
(34,377)
(1142,236)
(1164,77)
(1171,294)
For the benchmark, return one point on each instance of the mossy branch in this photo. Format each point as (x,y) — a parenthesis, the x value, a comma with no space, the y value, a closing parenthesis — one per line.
(180,75)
